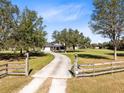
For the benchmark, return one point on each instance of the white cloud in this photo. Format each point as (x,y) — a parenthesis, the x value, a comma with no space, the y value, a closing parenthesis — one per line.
(69,12)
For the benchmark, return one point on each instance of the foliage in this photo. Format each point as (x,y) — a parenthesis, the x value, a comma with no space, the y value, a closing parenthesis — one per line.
(121,46)
(109,45)
(71,38)
(20,30)
(8,13)
(108,20)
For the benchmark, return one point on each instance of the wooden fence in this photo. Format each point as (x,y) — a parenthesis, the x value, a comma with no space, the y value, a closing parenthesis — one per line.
(95,69)
(15,68)
(3,70)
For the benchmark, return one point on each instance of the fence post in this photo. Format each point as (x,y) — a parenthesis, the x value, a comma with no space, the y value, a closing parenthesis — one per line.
(76,65)
(7,68)
(112,67)
(27,64)
(93,69)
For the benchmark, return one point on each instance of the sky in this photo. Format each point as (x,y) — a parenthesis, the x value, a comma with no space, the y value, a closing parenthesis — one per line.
(60,14)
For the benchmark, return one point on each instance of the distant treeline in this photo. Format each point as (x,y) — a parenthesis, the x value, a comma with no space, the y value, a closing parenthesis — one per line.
(108,45)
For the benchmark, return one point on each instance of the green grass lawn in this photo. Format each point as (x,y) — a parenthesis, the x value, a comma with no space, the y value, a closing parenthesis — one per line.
(109,83)
(36,63)
(94,55)
(12,84)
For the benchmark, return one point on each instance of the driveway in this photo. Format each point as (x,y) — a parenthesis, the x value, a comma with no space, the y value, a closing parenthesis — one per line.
(57,70)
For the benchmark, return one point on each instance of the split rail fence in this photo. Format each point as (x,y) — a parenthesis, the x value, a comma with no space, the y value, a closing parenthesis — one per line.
(85,70)
(15,68)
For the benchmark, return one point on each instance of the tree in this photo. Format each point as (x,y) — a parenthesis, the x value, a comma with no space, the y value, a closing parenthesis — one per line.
(30,30)
(61,37)
(87,42)
(121,46)
(71,38)
(108,20)
(20,30)
(74,38)
(84,42)
(8,14)
(55,36)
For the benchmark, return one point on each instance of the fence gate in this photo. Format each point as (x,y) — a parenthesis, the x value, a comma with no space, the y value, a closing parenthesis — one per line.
(15,68)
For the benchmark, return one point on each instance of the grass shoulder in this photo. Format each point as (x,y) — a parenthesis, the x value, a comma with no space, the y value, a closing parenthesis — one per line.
(110,83)
(12,84)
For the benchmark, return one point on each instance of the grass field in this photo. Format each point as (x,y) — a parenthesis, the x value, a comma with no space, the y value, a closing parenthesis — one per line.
(95,55)
(99,84)
(12,84)
(110,83)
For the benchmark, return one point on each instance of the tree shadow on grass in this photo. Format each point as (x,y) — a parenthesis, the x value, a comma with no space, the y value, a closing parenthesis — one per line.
(37,54)
(92,56)
(118,54)
(74,51)
(17,56)
(10,56)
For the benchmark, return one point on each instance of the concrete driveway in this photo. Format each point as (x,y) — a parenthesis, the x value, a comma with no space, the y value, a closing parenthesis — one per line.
(57,70)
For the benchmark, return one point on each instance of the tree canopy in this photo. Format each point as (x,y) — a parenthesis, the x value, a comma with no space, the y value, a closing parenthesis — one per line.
(20,30)
(108,20)
(71,38)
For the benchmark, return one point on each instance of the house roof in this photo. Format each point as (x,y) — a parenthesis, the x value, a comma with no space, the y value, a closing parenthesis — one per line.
(53,45)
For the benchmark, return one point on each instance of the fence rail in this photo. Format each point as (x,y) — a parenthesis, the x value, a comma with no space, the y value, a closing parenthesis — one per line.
(96,68)
(15,68)
(3,70)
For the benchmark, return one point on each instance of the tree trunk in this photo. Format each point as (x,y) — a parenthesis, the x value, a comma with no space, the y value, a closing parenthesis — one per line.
(65,49)
(73,47)
(21,51)
(115,53)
